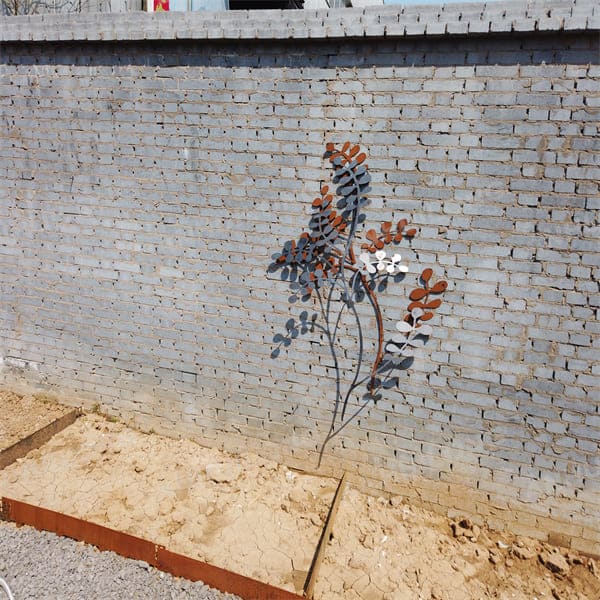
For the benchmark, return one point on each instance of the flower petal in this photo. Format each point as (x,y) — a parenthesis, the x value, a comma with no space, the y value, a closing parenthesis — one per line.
(365,257)
(404,326)
(393,348)
(380,254)
(417,313)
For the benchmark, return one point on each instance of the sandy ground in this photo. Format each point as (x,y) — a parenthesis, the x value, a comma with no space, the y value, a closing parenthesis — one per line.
(394,550)
(22,415)
(242,513)
(260,519)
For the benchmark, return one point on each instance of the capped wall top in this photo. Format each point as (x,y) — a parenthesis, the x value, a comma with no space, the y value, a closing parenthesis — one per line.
(391,21)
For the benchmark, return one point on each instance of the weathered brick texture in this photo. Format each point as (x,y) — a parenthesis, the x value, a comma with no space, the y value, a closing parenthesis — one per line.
(146,180)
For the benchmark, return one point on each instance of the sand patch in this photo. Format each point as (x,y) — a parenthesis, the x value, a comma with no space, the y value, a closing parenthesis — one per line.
(393,550)
(258,518)
(243,513)
(22,415)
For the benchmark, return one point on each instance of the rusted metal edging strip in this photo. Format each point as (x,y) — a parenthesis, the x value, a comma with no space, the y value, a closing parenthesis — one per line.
(311,578)
(221,579)
(38,438)
(130,546)
(77,529)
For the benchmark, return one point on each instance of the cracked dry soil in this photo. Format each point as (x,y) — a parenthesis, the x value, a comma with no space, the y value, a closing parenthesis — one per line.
(260,519)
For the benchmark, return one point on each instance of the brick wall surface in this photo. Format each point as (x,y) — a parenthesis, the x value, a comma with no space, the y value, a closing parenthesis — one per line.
(145,184)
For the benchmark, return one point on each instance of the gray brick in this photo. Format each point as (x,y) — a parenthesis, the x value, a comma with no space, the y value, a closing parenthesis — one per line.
(166,182)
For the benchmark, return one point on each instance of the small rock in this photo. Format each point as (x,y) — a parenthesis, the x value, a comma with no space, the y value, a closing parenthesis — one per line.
(482,553)
(223,472)
(494,557)
(465,530)
(358,562)
(509,562)
(574,559)
(520,542)
(523,552)
(299,496)
(315,519)
(555,562)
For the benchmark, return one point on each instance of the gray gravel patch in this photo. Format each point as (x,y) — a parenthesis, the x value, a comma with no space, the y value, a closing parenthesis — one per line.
(40,565)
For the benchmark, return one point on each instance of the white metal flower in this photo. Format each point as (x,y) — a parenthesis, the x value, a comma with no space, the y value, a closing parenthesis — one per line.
(382,262)
(405,343)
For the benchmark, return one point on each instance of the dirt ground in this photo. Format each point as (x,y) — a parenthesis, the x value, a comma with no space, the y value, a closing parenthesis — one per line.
(260,519)
(394,550)
(243,513)
(21,415)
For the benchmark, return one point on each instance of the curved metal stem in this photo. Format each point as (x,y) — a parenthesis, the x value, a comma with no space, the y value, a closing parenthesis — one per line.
(378,318)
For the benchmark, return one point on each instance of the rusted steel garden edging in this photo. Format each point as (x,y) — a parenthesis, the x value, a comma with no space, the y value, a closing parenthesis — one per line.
(130,546)
(38,438)
(313,572)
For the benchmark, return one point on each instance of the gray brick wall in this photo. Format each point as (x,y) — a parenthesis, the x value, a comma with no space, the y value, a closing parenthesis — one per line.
(145,185)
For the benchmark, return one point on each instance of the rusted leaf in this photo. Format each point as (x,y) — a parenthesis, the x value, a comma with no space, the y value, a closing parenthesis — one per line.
(414,305)
(427,316)
(426,274)
(418,294)
(386,226)
(433,304)
(361,158)
(439,287)
(355,150)
(411,233)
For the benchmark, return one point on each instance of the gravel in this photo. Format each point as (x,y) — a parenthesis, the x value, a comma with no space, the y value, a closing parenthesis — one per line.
(40,565)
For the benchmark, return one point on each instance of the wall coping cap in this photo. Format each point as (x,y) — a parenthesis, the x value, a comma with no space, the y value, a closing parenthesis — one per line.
(388,21)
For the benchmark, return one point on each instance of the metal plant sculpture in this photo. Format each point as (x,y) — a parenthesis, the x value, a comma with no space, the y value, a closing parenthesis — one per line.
(323,262)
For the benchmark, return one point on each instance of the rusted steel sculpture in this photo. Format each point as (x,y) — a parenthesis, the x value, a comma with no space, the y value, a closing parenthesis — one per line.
(324,261)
